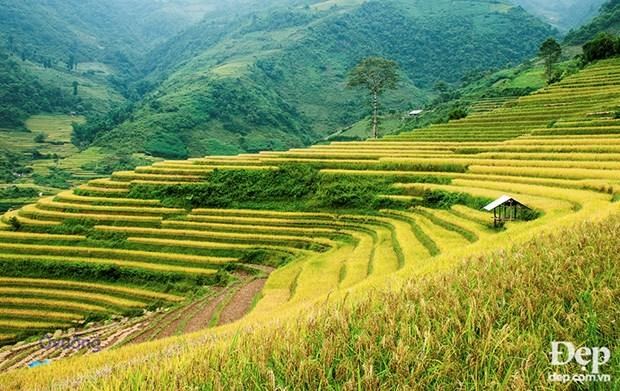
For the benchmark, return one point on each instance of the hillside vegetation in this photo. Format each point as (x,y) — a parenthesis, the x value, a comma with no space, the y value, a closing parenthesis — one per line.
(563,14)
(22,94)
(276,79)
(334,220)
(57,30)
(608,20)
(252,76)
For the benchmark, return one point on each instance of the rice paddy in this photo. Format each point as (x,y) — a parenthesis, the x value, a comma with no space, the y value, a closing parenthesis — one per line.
(557,151)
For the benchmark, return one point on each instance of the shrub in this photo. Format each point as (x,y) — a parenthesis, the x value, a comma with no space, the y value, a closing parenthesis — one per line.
(291,187)
(121,161)
(84,272)
(349,194)
(40,138)
(55,178)
(110,239)
(18,192)
(529,214)
(226,188)
(440,199)
(456,114)
(556,76)
(603,46)
(73,227)
(167,146)
(15,224)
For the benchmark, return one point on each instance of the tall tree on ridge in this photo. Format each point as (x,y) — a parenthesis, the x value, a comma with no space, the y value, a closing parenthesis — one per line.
(376,74)
(550,51)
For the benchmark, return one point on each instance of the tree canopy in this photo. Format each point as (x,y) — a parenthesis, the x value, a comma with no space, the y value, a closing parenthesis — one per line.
(376,74)
(550,51)
(602,46)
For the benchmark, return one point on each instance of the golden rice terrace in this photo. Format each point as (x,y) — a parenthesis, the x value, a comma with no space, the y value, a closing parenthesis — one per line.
(557,151)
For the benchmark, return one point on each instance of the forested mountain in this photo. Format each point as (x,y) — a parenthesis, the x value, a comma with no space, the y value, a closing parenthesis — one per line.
(22,94)
(274,78)
(563,14)
(607,21)
(47,47)
(110,31)
(211,77)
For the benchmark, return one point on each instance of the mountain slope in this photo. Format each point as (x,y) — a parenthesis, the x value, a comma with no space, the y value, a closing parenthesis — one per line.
(287,66)
(563,14)
(22,94)
(94,43)
(94,30)
(608,20)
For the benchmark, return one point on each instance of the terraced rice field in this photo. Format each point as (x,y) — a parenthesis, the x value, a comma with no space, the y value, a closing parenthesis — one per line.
(557,150)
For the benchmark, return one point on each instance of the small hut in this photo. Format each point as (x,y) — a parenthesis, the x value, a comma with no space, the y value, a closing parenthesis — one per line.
(506,208)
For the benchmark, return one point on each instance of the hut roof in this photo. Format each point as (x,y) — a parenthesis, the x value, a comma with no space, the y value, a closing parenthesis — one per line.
(501,201)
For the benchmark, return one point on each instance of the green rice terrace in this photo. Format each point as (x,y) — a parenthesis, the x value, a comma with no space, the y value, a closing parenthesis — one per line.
(182,246)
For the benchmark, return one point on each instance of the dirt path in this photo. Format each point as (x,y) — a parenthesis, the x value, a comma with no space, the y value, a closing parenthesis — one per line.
(236,301)
(172,328)
(201,319)
(262,268)
(241,301)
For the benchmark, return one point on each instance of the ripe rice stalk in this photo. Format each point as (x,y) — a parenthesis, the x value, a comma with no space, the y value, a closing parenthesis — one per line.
(356,266)
(188,225)
(48,203)
(54,304)
(562,173)
(384,260)
(108,253)
(100,191)
(176,243)
(30,324)
(69,196)
(225,237)
(128,176)
(87,286)
(38,314)
(68,294)
(160,267)
(34,213)
(7,235)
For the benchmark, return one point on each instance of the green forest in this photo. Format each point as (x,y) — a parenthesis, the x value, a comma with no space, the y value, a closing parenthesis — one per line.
(267,94)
